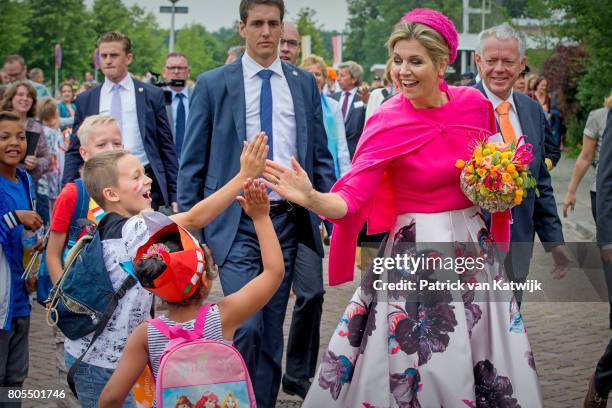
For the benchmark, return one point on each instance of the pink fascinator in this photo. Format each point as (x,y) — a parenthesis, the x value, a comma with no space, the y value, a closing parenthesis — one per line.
(439,22)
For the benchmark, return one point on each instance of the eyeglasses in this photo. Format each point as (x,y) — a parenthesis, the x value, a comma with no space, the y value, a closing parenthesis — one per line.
(291,43)
(177,68)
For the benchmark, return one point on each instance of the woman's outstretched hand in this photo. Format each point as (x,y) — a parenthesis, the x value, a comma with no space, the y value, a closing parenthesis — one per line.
(291,184)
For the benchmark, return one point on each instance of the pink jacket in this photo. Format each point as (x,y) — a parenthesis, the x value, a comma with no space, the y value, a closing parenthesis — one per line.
(404,162)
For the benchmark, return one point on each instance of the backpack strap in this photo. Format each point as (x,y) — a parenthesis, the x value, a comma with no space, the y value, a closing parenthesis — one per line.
(198,327)
(80,210)
(177,331)
(127,284)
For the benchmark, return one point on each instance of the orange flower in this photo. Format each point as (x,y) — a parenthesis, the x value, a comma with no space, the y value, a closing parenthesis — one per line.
(460,164)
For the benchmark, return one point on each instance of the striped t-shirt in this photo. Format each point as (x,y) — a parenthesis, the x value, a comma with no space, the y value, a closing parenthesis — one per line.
(157,341)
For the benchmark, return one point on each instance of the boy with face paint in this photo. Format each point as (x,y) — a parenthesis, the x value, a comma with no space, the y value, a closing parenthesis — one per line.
(117,181)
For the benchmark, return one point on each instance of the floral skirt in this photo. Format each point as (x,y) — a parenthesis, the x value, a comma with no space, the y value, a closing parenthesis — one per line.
(430,348)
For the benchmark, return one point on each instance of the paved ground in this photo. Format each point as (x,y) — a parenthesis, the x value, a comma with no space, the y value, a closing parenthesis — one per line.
(567,338)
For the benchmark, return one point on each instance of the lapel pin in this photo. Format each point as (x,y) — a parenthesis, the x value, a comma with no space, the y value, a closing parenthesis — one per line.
(140,89)
(294,73)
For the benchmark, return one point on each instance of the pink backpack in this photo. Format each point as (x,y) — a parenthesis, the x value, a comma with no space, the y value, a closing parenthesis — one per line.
(198,370)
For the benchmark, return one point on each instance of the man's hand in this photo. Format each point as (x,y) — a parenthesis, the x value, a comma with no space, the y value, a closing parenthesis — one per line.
(562,261)
(293,185)
(253,156)
(255,202)
(569,203)
(31,162)
(30,219)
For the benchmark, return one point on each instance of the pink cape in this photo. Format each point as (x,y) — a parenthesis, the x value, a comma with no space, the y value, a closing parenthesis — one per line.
(397,129)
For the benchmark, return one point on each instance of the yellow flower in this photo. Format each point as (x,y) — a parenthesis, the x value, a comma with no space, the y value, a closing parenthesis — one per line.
(510,168)
(506,177)
(482,172)
(519,192)
(470,168)
(460,164)
(518,199)
(491,147)
(486,152)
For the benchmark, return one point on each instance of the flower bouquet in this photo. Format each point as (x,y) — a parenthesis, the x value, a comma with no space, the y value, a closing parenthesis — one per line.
(497,175)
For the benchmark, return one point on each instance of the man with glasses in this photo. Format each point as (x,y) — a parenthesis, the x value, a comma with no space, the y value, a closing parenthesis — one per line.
(14,68)
(290,43)
(176,73)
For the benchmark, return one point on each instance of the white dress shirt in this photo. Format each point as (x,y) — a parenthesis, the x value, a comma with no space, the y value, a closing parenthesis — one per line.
(175,102)
(351,97)
(130,131)
(284,135)
(512,113)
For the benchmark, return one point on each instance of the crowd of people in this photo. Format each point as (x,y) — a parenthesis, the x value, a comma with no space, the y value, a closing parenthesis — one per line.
(266,161)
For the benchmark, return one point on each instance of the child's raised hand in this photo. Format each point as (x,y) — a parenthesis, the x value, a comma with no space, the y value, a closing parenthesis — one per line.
(253,156)
(255,201)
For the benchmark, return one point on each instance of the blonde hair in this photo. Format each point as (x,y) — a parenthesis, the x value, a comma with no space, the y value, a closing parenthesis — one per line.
(608,101)
(313,59)
(91,122)
(430,39)
(229,396)
(46,108)
(101,172)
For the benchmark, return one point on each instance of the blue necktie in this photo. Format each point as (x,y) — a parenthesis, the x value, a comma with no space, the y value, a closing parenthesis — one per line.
(180,125)
(265,108)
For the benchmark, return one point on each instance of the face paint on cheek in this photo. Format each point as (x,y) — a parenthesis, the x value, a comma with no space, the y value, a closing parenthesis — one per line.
(138,187)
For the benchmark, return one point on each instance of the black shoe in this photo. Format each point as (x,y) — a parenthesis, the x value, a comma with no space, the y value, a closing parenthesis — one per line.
(293,386)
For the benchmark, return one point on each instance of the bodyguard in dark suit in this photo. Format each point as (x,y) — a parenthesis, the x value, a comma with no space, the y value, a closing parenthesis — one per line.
(229,105)
(604,205)
(501,58)
(176,68)
(601,383)
(140,110)
(352,106)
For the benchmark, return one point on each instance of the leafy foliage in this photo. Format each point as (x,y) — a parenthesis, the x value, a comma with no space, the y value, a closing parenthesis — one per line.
(306,25)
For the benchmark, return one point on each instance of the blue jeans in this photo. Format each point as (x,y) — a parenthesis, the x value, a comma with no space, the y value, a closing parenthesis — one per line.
(90,380)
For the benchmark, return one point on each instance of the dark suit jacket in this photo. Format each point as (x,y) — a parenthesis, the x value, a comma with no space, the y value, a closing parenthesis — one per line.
(354,122)
(215,131)
(535,214)
(604,187)
(154,129)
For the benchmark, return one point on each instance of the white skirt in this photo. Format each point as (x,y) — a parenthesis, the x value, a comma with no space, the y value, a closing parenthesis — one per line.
(450,348)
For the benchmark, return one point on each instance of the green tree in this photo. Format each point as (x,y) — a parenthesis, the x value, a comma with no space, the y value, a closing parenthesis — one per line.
(64,22)
(202,48)
(14,16)
(588,22)
(370,24)
(229,36)
(306,25)
(110,15)
(147,41)
(142,29)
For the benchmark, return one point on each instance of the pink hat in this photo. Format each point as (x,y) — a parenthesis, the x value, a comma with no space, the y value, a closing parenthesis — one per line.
(439,22)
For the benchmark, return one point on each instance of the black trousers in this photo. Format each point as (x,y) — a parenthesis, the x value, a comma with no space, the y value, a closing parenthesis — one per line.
(14,356)
(304,334)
